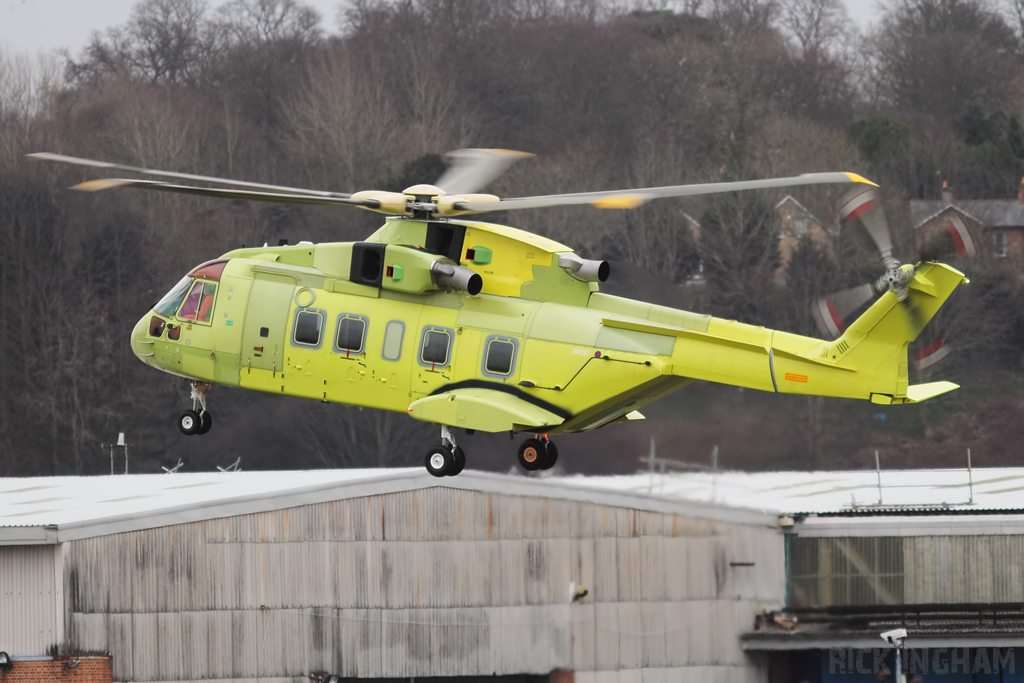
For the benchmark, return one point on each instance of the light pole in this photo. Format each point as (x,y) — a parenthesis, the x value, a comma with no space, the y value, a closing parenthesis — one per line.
(896,637)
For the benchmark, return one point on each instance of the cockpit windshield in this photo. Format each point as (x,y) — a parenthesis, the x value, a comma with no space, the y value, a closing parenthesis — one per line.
(169,304)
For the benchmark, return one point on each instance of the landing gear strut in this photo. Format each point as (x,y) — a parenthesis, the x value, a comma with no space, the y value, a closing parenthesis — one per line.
(445,460)
(197,420)
(538,454)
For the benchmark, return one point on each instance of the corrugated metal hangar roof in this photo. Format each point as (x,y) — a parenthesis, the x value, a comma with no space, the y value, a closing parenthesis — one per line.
(890,492)
(53,509)
(56,509)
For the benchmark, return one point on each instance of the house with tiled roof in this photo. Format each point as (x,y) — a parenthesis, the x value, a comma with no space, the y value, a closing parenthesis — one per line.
(998,222)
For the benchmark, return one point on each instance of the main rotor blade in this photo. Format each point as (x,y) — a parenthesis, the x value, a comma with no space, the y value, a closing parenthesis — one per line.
(277,198)
(862,203)
(46,156)
(628,199)
(830,312)
(473,169)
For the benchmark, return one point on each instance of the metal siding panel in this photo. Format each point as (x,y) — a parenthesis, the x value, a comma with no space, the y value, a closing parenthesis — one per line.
(652,568)
(169,665)
(677,634)
(979,577)
(121,635)
(246,644)
(675,557)
(28,623)
(145,636)
(584,635)
(218,645)
(701,625)
(627,552)
(607,641)
(606,574)
(630,627)
(653,628)
(559,637)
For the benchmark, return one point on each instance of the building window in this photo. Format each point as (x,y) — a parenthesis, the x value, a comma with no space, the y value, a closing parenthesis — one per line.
(393,335)
(999,243)
(499,356)
(351,336)
(309,324)
(435,350)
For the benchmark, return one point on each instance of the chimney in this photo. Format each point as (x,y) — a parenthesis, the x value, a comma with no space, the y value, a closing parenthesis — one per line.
(947,193)
(1020,193)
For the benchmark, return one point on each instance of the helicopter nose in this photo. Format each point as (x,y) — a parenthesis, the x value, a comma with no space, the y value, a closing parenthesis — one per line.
(142,345)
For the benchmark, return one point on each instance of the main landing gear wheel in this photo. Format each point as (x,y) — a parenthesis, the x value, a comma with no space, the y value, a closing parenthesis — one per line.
(537,454)
(189,422)
(445,460)
(439,461)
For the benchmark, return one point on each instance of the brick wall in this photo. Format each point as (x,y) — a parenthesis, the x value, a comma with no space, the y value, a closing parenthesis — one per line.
(89,669)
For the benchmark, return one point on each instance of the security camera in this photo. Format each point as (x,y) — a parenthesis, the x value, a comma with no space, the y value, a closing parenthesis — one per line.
(894,636)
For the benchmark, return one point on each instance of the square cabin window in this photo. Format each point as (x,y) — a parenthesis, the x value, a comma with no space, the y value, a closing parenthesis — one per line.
(500,356)
(436,344)
(308,325)
(351,334)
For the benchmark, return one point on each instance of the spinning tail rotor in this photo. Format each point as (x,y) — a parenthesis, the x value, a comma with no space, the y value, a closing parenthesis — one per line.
(833,313)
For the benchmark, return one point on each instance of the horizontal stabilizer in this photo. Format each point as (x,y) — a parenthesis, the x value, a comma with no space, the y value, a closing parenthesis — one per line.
(922,392)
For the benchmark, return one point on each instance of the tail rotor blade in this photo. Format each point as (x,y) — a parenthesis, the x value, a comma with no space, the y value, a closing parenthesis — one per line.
(925,359)
(863,203)
(957,239)
(830,312)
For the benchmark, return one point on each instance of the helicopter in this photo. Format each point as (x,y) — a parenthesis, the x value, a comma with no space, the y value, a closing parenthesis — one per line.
(478,326)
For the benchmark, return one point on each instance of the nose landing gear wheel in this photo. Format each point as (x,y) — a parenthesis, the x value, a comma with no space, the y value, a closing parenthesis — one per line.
(189,422)
(440,461)
(458,461)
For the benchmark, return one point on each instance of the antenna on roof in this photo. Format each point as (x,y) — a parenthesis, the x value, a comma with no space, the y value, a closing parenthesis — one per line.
(174,469)
(236,466)
(121,443)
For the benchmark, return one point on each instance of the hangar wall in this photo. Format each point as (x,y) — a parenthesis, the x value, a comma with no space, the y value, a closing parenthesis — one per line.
(428,582)
(31,585)
(911,570)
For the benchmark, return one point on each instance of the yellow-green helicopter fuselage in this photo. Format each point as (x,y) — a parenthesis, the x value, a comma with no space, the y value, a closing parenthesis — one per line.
(389,323)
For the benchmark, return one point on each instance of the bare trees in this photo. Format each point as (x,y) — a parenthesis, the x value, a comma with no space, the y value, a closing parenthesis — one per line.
(939,56)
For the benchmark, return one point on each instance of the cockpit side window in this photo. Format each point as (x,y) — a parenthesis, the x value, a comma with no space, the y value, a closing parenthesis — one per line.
(191,305)
(169,304)
(206,303)
(198,305)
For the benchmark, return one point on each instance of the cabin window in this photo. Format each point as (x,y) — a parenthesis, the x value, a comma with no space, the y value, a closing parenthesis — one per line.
(156,326)
(499,356)
(309,324)
(351,335)
(169,304)
(393,335)
(436,347)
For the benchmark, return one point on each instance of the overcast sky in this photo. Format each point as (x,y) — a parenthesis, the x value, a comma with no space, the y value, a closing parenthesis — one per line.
(30,26)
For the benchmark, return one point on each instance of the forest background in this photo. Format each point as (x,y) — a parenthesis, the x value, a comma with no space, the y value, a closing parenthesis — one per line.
(608,94)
